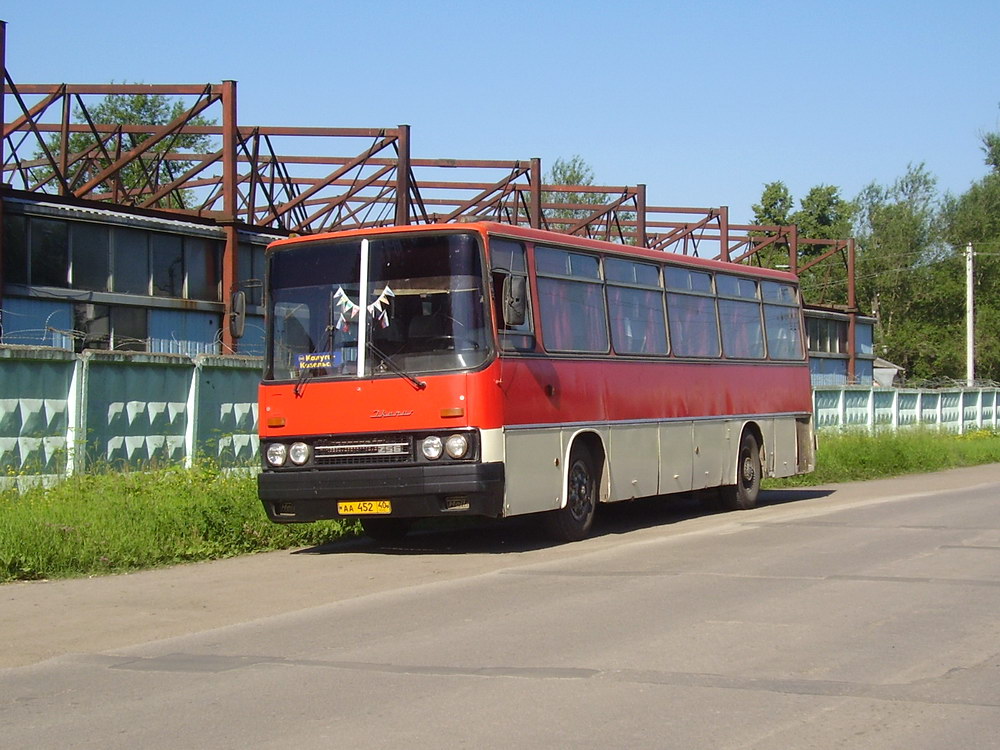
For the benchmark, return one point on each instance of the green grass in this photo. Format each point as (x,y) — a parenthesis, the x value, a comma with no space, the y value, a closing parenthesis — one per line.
(112,522)
(856,456)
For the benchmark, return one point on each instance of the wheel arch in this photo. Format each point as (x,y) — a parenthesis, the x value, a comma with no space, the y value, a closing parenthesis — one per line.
(754,429)
(593,441)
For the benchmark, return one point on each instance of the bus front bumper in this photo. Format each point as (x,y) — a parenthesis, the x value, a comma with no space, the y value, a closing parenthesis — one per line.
(413,491)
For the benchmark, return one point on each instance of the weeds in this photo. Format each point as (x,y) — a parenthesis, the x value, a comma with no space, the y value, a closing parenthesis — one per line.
(112,522)
(858,455)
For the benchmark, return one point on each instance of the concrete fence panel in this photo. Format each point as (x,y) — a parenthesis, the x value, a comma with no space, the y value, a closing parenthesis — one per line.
(36,405)
(62,413)
(136,409)
(954,409)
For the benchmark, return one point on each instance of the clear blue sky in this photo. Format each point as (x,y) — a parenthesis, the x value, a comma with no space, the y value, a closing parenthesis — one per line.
(704,102)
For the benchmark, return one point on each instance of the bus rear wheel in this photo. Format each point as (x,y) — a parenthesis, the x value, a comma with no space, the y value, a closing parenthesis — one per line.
(743,495)
(572,522)
(386,530)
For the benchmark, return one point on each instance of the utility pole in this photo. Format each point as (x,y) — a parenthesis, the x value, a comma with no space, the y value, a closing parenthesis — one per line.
(970,318)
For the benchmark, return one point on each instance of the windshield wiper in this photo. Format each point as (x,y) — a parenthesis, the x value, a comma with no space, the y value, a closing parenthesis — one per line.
(300,384)
(387,361)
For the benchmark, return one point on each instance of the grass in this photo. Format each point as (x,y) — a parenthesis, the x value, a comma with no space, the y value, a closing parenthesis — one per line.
(859,455)
(115,522)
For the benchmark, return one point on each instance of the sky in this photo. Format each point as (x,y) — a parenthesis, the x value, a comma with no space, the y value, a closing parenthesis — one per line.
(703,102)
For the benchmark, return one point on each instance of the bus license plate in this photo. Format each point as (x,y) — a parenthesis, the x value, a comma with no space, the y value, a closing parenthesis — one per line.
(365,508)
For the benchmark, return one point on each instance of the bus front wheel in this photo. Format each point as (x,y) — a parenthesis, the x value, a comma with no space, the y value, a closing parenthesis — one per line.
(743,494)
(572,522)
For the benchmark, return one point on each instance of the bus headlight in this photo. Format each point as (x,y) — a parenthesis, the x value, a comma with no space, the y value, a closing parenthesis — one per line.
(457,446)
(432,447)
(298,453)
(276,454)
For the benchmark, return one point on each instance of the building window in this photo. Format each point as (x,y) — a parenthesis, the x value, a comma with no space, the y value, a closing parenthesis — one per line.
(203,270)
(15,250)
(167,261)
(117,327)
(251,272)
(92,324)
(129,329)
(90,256)
(49,253)
(131,261)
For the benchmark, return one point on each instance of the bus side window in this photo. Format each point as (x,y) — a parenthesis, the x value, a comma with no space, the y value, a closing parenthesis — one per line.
(509,282)
(782,321)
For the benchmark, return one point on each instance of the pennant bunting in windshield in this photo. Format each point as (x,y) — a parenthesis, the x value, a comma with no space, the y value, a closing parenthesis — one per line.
(379,309)
(348,310)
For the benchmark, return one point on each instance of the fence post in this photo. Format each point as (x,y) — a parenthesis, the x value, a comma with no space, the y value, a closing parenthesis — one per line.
(190,437)
(82,394)
(74,426)
(961,412)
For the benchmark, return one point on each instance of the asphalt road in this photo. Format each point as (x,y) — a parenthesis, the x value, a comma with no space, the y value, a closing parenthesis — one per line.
(861,616)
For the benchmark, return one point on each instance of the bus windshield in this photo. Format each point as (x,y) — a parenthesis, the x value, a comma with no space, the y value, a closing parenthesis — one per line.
(424,307)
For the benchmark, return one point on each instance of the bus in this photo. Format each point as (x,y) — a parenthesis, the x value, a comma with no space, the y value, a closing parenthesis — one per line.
(492,370)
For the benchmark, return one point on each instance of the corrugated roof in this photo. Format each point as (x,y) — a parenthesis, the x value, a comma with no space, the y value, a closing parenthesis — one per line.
(104,215)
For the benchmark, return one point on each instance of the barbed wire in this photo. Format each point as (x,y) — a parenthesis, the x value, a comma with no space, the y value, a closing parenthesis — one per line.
(944,383)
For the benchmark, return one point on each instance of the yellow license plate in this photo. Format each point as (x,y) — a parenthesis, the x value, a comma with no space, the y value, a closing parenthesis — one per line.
(365,508)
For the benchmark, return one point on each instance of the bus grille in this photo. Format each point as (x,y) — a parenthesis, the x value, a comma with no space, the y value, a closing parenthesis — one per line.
(361,452)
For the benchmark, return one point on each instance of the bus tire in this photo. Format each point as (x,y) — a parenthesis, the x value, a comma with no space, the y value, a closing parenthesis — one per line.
(572,522)
(743,494)
(386,530)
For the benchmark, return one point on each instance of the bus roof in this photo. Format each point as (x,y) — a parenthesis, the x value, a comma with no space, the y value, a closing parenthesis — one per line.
(547,237)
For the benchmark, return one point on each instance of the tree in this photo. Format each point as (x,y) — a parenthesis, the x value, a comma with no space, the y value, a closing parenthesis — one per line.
(139,175)
(570,172)
(824,215)
(775,205)
(574,172)
(991,147)
(974,218)
(910,269)
(905,273)
(774,209)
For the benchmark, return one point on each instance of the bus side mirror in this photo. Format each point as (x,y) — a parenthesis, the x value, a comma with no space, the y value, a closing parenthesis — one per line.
(514,300)
(238,314)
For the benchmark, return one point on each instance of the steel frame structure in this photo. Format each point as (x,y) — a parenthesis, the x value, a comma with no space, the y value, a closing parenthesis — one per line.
(312,179)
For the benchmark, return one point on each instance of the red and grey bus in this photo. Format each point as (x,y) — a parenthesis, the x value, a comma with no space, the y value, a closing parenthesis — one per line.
(492,370)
